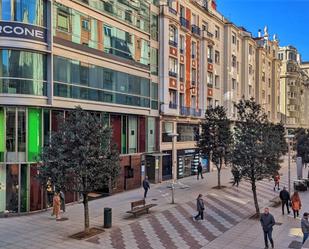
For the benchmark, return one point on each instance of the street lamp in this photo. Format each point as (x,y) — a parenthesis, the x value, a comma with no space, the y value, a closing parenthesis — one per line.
(174,161)
(289,137)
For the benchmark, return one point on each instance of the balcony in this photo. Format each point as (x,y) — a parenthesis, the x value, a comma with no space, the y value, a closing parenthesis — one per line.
(184,111)
(181,79)
(193,82)
(196,30)
(173,43)
(184,22)
(181,50)
(173,74)
(195,112)
(209,60)
(193,56)
(210,85)
(172,105)
(172,10)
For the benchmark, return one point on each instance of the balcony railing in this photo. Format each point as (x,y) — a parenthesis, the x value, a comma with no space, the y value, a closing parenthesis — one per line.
(173,105)
(210,60)
(181,50)
(185,111)
(181,79)
(184,22)
(193,82)
(211,35)
(195,30)
(210,85)
(193,56)
(173,43)
(196,112)
(172,10)
(173,74)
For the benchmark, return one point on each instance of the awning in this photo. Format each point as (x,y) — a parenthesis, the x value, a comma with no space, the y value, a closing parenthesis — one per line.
(157,154)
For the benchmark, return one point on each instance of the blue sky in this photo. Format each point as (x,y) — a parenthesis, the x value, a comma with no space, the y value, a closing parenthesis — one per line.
(289,19)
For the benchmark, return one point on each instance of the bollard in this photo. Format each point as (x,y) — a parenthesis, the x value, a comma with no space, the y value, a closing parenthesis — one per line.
(107,218)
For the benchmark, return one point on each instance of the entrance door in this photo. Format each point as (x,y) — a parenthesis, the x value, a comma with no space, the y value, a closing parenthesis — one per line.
(12,179)
(2,188)
(24,188)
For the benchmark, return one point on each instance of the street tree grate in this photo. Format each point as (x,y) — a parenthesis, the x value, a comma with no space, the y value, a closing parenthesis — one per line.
(295,244)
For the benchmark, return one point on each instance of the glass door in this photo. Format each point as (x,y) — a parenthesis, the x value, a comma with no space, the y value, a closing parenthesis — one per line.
(2,188)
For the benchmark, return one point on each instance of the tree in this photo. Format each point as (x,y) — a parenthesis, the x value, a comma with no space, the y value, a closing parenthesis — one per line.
(80,157)
(258,145)
(215,138)
(302,144)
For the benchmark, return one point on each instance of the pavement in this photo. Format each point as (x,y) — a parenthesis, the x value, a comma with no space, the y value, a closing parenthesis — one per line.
(227,223)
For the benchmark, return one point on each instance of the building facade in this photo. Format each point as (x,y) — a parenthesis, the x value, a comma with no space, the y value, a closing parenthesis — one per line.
(55,55)
(293,89)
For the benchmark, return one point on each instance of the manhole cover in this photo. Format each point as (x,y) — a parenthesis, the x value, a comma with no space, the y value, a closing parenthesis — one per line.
(278,223)
(295,244)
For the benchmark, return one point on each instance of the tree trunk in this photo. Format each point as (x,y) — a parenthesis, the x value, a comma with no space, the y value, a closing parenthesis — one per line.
(256,204)
(86,212)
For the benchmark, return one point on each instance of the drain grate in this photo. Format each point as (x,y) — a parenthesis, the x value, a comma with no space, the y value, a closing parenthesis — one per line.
(295,244)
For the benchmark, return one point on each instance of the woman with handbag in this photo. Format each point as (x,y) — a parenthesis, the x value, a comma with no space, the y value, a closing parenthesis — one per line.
(200,206)
(296,204)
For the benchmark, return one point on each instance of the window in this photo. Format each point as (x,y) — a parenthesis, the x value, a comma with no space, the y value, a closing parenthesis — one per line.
(154,27)
(233,37)
(205,26)
(193,50)
(173,67)
(237,42)
(167,128)
(217,32)
(154,61)
(263,76)
(182,72)
(85,24)
(193,81)
(182,44)
(250,49)
(263,94)
(217,103)
(193,102)
(217,57)
(250,90)
(250,69)
(187,132)
(269,82)
(234,61)
(209,54)
(182,11)
(63,22)
(173,36)
(210,79)
(194,19)
(181,100)
(217,81)
(234,85)
(132,134)
(209,102)
(268,101)
(172,99)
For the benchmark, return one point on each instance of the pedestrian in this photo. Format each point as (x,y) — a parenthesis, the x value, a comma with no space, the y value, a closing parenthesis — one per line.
(50,193)
(277,181)
(56,205)
(285,198)
(199,171)
(200,206)
(146,186)
(62,199)
(296,204)
(236,175)
(267,222)
(305,226)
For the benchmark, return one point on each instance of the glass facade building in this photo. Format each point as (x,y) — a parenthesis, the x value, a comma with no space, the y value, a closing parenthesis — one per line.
(100,59)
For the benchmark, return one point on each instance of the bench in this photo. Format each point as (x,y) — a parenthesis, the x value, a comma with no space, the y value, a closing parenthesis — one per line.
(140,206)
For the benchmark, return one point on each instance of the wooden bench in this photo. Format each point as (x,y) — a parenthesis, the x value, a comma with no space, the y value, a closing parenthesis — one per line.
(140,206)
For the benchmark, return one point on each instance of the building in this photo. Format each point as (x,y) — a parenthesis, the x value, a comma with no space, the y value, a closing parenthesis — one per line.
(55,55)
(268,75)
(294,93)
(191,79)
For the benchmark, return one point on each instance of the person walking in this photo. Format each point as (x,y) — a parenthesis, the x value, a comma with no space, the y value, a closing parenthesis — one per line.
(236,175)
(277,181)
(200,206)
(199,171)
(296,204)
(305,226)
(285,198)
(62,199)
(56,205)
(146,186)
(267,222)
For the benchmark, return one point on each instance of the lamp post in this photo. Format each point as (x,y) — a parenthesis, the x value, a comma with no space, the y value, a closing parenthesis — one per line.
(174,162)
(289,137)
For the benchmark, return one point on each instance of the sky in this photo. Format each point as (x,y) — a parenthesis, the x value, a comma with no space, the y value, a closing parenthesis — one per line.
(289,19)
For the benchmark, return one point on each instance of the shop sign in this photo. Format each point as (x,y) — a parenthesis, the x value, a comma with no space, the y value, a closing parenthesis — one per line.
(21,30)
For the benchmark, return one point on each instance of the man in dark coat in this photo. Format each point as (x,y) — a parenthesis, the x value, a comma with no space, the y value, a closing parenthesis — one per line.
(146,186)
(200,206)
(199,171)
(236,175)
(267,222)
(285,198)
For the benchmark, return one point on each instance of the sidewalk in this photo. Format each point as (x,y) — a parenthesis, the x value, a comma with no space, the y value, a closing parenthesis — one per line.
(167,226)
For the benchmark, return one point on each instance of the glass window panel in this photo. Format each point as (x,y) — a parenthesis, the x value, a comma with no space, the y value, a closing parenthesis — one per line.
(12,187)
(154,90)
(167,127)
(10,129)
(151,134)
(124,135)
(132,134)
(34,133)
(21,133)
(46,126)
(2,134)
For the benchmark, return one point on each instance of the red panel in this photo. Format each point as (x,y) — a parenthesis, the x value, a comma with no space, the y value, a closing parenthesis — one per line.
(116,127)
(36,195)
(142,134)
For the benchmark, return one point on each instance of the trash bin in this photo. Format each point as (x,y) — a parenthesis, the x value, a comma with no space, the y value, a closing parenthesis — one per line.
(107,218)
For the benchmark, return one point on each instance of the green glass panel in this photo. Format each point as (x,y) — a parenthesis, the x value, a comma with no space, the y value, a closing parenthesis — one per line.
(2,132)
(34,134)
